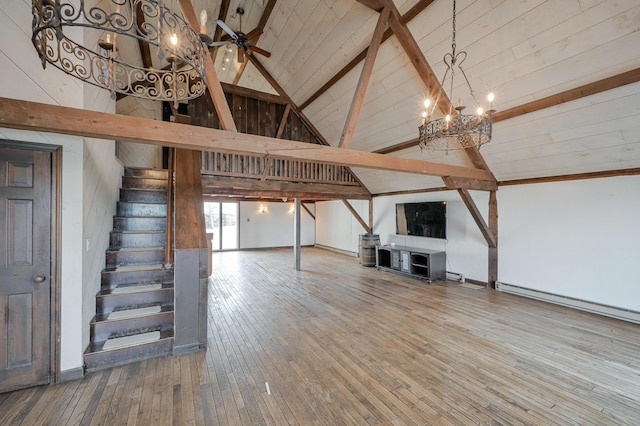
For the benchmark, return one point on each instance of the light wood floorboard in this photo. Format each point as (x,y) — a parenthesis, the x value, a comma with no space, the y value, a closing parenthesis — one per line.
(339,344)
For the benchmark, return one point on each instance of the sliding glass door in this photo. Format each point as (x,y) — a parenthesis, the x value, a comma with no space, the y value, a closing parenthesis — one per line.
(221,219)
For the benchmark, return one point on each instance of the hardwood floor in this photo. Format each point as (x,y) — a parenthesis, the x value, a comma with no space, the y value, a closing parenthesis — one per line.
(337,343)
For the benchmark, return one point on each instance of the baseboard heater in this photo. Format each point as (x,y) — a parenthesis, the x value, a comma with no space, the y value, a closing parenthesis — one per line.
(583,305)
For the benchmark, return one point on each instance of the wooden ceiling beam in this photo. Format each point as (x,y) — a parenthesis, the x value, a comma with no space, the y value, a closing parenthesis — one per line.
(363,82)
(464,183)
(33,116)
(371,4)
(213,83)
(407,17)
(214,185)
(609,83)
(254,94)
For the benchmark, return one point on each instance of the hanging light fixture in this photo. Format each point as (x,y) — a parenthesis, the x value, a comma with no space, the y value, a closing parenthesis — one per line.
(455,130)
(180,51)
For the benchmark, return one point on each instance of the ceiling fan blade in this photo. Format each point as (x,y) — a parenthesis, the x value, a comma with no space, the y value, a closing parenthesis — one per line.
(254,33)
(240,54)
(220,43)
(260,51)
(228,30)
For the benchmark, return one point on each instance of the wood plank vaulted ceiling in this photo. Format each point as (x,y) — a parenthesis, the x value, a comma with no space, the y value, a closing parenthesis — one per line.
(523,51)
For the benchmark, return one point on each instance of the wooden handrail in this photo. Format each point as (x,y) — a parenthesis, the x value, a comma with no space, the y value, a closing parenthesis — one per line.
(168,249)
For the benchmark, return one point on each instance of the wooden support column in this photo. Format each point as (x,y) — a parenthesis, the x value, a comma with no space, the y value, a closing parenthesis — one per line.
(296,234)
(190,273)
(371,216)
(493,251)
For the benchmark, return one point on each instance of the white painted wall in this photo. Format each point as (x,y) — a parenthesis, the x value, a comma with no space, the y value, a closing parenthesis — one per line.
(579,239)
(337,228)
(88,171)
(273,228)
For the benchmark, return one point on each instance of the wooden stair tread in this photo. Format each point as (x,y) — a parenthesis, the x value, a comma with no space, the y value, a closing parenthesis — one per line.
(98,346)
(136,288)
(103,318)
(135,339)
(135,267)
(135,249)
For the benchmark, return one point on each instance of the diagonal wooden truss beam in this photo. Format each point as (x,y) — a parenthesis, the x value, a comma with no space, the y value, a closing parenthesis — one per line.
(416,56)
(363,82)
(276,86)
(609,83)
(222,16)
(355,214)
(492,240)
(213,83)
(25,115)
(308,211)
(406,18)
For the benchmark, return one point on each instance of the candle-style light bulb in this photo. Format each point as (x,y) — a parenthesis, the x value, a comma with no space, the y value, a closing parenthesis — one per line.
(203,22)
(491,97)
(448,118)
(480,111)
(174,39)
(424,117)
(427,102)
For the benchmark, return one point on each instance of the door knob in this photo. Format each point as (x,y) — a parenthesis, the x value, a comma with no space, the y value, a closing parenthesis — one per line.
(38,279)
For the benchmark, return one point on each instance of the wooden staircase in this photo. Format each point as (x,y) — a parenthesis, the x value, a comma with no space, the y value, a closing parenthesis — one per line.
(134,308)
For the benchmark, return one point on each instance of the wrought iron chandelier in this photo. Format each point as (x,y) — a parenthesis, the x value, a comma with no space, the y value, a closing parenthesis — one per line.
(179,50)
(455,130)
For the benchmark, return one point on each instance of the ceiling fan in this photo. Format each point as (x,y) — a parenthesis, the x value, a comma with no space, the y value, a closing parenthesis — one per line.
(240,39)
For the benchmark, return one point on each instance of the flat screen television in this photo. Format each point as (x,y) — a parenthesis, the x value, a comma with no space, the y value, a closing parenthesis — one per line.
(428,219)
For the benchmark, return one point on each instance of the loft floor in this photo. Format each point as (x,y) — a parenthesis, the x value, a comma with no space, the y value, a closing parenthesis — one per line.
(338,343)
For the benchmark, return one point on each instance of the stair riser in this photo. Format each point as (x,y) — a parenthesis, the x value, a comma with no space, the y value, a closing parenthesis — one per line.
(103,330)
(139,223)
(147,173)
(110,279)
(111,358)
(131,240)
(143,196)
(130,209)
(147,257)
(143,183)
(108,303)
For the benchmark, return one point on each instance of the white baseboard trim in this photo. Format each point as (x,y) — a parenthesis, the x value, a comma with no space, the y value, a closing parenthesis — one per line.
(583,305)
(333,249)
